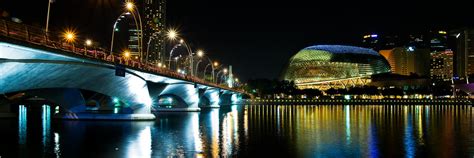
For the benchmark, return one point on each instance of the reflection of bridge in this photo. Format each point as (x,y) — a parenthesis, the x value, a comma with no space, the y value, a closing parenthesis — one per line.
(32,62)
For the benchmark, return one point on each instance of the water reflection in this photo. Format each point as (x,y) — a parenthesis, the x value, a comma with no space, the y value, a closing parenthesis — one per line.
(22,122)
(57,146)
(366,131)
(140,145)
(273,130)
(46,124)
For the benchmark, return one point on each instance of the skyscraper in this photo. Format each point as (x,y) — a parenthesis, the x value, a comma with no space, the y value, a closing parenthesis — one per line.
(153,15)
(407,60)
(462,43)
(441,65)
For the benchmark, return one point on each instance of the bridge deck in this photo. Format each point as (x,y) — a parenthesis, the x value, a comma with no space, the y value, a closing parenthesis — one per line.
(36,37)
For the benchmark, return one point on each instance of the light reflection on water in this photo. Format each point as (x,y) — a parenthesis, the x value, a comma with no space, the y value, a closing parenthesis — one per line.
(288,131)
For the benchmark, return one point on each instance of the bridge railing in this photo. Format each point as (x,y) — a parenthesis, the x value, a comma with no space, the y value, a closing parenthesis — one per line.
(54,40)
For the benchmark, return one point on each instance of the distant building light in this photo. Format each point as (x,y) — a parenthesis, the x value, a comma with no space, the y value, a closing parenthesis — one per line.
(442,32)
(459,34)
(374,35)
(410,49)
(16,20)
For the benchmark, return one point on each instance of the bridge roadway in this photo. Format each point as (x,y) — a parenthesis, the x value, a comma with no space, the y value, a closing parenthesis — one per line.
(59,73)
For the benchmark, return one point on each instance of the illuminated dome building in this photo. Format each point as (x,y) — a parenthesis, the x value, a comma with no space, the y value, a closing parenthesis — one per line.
(334,66)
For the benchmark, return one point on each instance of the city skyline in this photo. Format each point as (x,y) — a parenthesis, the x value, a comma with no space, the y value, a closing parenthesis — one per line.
(276,37)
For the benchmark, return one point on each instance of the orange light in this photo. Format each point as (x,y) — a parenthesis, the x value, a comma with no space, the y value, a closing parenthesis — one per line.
(69,35)
(129,6)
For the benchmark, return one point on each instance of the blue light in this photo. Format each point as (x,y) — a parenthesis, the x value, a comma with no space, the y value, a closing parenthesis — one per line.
(374,35)
(46,120)
(22,124)
(115,100)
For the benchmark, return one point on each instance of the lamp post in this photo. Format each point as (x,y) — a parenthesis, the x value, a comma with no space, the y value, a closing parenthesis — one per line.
(200,54)
(114,28)
(47,15)
(70,36)
(171,54)
(148,48)
(173,35)
(87,44)
(224,72)
(213,67)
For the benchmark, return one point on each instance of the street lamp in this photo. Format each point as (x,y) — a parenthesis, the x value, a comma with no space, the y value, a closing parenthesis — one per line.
(129,5)
(176,62)
(200,54)
(126,54)
(69,36)
(172,35)
(114,28)
(87,44)
(224,72)
(213,67)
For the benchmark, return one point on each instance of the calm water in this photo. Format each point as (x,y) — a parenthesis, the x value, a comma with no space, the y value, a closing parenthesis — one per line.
(253,130)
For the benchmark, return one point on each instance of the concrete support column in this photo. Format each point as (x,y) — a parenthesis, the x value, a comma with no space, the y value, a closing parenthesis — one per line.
(185,97)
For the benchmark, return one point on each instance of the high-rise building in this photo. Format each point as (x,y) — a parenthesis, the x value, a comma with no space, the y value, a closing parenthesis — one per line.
(462,43)
(376,42)
(407,60)
(153,15)
(433,40)
(442,65)
(408,53)
(133,45)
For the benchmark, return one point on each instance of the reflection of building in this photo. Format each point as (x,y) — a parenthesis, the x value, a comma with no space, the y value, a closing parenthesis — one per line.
(153,14)
(334,66)
(462,43)
(442,65)
(408,60)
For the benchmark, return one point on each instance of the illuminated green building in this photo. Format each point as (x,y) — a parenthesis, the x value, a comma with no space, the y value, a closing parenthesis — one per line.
(334,66)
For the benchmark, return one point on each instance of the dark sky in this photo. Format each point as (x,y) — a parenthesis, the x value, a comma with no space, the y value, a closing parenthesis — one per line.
(257,37)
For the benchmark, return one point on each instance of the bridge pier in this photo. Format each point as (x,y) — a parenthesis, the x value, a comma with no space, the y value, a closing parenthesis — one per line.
(178,97)
(212,98)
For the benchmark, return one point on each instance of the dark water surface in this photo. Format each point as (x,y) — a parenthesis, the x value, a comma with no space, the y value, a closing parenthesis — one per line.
(252,130)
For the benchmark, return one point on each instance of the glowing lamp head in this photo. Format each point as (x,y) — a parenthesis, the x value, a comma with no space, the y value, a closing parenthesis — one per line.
(200,53)
(172,34)
(225,70)
(126,54)
(129,6)
(69,36)
(181,41)
(88,42)
(160,64)
(216,63)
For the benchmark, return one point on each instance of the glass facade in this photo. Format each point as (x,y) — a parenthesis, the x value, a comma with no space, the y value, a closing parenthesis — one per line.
(325,63)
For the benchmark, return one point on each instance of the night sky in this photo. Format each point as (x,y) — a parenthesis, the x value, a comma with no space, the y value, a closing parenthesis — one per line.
(257,37)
